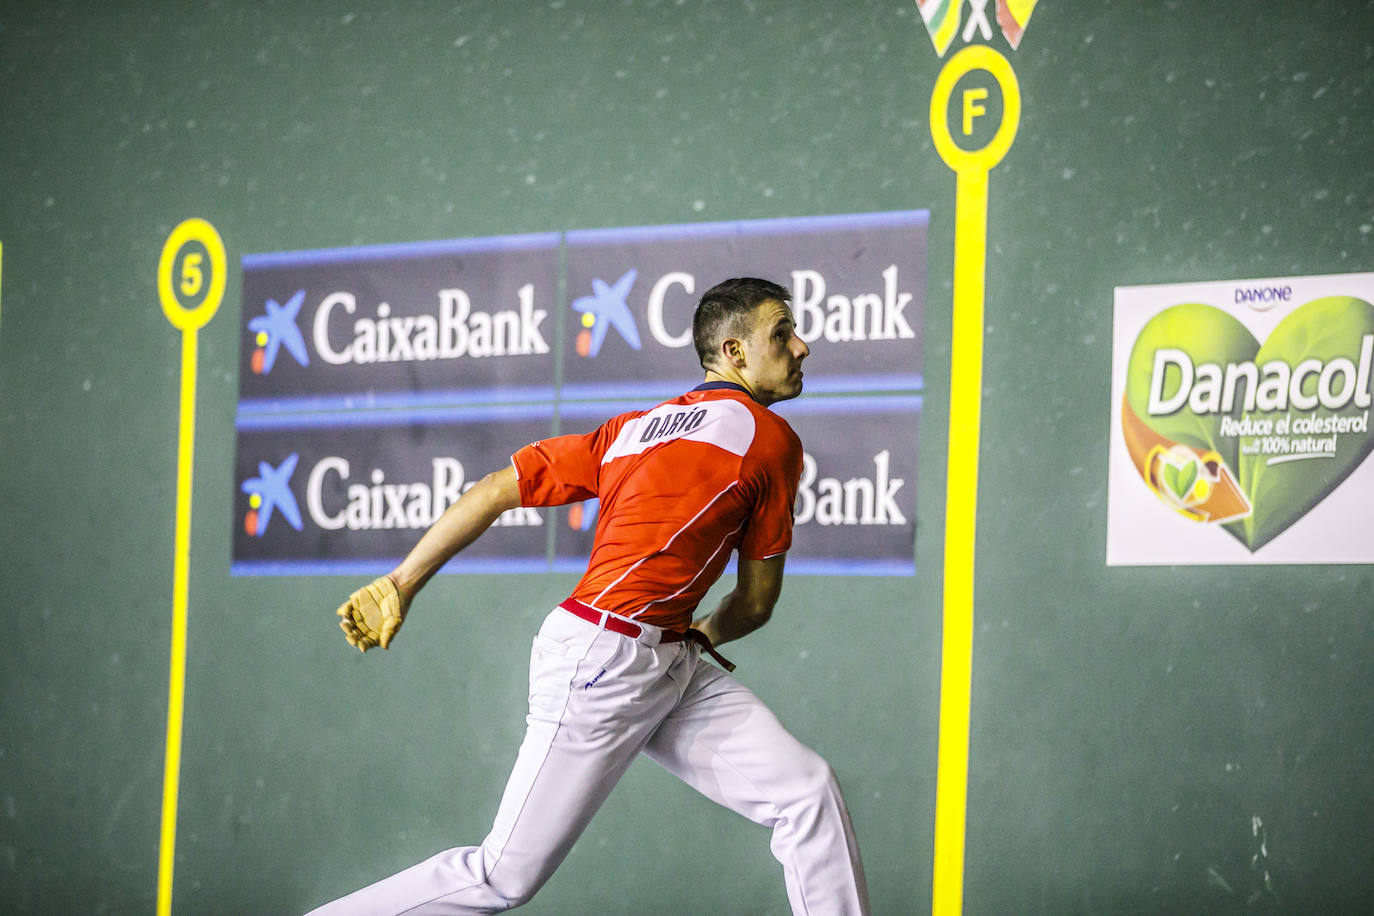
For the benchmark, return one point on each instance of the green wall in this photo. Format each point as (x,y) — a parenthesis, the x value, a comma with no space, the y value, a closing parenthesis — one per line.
(1129,724)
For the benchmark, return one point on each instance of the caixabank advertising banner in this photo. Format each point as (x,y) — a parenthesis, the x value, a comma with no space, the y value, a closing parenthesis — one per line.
(857,283)
(376,383)
(356,326)
(355,499)
(1240,422)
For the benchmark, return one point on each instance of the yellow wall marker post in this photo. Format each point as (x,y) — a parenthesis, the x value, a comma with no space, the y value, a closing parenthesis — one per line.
(971,169)
(189,298)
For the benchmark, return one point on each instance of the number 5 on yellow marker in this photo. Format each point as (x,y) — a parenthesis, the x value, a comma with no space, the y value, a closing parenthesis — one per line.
(971,167)
(192,278)
(189,299)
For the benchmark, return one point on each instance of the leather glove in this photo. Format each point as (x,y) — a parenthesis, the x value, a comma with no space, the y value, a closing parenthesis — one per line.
(372,615)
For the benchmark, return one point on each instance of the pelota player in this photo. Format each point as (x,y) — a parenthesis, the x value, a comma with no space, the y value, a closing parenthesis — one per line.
(616,669)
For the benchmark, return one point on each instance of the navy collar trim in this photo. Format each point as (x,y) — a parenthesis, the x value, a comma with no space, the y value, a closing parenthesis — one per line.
(721,386)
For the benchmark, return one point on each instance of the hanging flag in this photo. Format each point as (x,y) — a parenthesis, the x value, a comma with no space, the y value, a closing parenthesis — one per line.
(1012,16)
(942,20)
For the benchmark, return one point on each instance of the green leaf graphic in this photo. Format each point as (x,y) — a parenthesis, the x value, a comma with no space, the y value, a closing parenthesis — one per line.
(1170,475)
(1188,477)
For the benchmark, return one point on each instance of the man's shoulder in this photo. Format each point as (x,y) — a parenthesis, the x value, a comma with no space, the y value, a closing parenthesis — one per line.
(620,419)
(774,438)
(777,424)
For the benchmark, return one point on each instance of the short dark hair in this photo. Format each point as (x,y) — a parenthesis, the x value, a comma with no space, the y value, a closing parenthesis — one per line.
(725,311)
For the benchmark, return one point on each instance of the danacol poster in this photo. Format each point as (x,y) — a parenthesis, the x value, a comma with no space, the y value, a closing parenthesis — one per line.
(1240,422)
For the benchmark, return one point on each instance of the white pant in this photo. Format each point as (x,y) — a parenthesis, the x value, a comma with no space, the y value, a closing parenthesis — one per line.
(598,699)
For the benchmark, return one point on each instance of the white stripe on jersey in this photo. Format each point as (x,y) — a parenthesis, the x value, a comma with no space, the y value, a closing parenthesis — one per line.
(725,423)
(694,578)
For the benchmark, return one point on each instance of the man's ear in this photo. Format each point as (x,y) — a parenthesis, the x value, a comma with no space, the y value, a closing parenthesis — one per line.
(732,351)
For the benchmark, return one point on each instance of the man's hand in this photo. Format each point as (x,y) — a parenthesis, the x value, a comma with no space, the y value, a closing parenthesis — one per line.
(372,615)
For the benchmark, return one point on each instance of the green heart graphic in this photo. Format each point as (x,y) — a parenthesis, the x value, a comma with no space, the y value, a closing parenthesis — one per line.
(1181,480)
(1295,443)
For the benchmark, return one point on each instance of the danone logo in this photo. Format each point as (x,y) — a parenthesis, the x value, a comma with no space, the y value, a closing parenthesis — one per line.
(1251,435)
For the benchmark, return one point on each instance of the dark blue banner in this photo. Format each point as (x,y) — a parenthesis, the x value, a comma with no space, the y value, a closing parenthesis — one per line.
(355,499)
(376,383)
(377,326)
(857,283)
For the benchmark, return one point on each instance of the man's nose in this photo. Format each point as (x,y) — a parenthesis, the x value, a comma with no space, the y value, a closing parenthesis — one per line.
(799,348)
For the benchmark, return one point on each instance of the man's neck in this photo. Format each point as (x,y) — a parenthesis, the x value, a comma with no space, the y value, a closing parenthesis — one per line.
(732,378)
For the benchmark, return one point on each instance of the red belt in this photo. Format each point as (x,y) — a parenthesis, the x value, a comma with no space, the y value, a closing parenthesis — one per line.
(633,630)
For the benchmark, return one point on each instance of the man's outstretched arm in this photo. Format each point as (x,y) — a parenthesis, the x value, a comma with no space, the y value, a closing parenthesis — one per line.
(748,607)
(460,525)
(374,613)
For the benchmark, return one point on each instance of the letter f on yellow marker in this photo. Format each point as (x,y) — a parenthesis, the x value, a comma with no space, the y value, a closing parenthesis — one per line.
(971,167)
(972,109)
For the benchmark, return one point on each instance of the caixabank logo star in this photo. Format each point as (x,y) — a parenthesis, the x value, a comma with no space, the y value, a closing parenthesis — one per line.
(270,492)
(607,307)
(278,328)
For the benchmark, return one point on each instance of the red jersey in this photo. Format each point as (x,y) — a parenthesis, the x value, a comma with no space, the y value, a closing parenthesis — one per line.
(680,487)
